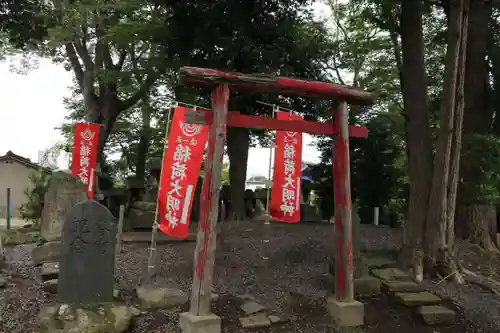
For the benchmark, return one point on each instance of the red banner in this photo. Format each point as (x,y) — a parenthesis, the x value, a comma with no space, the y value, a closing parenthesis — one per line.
(179,174)
(84,158)
(286,191)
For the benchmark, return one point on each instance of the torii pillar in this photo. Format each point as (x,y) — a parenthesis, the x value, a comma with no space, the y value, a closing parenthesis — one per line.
(343,308)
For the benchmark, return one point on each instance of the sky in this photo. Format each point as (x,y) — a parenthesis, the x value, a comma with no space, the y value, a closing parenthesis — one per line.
(32,107)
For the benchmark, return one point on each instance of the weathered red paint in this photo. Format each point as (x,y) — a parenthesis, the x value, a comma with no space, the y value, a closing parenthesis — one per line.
(214,72)
(236,119)
(206,203)
(203,77)
(349,257)
(315,88)
(340,160)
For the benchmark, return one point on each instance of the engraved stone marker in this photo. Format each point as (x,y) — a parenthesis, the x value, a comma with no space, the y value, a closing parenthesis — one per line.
(64,191)
(86,270)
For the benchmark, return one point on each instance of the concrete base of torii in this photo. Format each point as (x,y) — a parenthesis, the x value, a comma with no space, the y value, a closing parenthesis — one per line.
(189,323)
(346,314)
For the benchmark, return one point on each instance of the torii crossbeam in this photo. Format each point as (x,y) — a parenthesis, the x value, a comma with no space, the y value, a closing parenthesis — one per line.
(199,318)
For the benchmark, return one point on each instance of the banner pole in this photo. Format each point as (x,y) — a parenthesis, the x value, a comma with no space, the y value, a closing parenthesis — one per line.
(268,188)
(152,249)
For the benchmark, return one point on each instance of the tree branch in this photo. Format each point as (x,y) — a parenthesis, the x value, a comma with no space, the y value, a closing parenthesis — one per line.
(75,63)
(125,155)
(121,60)
(140,93)
(85,79)
(336,68)
(83,53)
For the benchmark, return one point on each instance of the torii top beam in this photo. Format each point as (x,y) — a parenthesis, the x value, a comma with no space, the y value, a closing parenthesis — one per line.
(203,77)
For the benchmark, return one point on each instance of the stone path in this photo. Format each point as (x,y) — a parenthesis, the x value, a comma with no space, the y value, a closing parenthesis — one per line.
(404,290)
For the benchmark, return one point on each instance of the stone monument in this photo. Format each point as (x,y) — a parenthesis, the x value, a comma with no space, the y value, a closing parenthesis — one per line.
(64,191)
(85,293)
(87,255)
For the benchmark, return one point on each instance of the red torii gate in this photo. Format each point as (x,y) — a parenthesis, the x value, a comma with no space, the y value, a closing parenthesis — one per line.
(345,310)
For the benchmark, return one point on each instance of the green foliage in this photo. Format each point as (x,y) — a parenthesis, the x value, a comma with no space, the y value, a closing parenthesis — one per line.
(485,151)
(32,209)
(379,169)
(224,177)
(280,37)
(378,177)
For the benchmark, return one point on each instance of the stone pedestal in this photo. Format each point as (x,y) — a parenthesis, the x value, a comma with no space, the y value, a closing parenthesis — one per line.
(346,314)
(190,323)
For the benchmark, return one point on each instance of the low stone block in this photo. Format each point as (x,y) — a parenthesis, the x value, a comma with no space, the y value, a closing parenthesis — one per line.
(402,286)
(251,307)
(50,286)
(391,274)
(366,286)
(255,321)
(346,314)
(246,297)
(436,315)
(144,205)
(190,323)
(3,283)
(379,262)
(109,318)
(15,237)
(46,253)
(49,271)
(157,297)
(417,299)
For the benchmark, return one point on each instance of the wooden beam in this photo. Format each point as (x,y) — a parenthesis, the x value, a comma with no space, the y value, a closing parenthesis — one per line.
(203,77)
(344,280)
(236,119)
(201,297)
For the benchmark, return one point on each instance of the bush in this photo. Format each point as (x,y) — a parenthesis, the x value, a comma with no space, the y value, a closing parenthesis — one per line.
(32,209)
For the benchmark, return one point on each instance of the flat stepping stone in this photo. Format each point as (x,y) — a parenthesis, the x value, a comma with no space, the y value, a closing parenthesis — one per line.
(275,319)
(255,321)
(252,307)
(402,286)
(417,299)
(366,286)
(436,315)
(391,274)
(379,262)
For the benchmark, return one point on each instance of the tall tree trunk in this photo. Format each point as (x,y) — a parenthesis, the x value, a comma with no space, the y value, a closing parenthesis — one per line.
(477,113)
(436,227)
(414,87)
(103,110)
(237,149)
(145,136)
(457,129)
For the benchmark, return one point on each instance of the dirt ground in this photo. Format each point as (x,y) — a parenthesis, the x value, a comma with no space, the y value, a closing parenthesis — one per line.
(293,282)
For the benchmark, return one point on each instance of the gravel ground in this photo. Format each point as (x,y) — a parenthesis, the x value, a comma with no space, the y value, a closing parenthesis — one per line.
(293,281)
